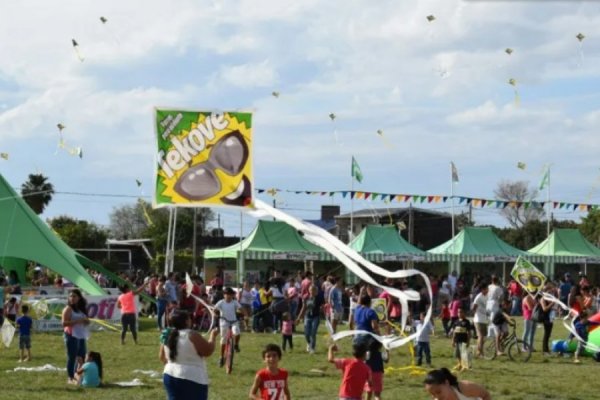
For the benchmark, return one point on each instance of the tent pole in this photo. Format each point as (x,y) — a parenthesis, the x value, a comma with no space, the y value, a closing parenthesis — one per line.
(240,265)
(172,259)
(167,249)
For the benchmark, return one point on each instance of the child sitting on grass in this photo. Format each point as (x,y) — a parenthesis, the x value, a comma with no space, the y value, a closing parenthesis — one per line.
(90,373)
(356,372)
(272,380)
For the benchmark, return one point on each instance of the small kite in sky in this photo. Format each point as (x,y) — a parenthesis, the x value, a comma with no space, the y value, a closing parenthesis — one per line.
(332,116)
(385,141)
(4,156)
(580,36)
(521,165)
(508,51)
(430,18)
(60,127)
(275,94)
(77,51)
(76,151)
(138,182)
(103,20)
(513,82)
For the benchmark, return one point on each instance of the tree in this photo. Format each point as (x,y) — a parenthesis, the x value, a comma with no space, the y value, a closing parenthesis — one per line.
(141,221)
(518,191)
(37,192)
(79,234)
(530,234)
(590,226)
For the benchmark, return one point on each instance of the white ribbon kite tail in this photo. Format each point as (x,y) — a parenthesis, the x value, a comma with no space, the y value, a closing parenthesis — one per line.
(350,258)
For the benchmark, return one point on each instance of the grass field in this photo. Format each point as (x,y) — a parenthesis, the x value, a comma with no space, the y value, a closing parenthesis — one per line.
(540,378)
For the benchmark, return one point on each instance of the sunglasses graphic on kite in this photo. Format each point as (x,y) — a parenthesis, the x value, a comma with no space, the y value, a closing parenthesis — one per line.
(201,182)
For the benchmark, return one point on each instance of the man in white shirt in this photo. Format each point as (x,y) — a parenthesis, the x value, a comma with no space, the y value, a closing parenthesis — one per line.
(495,296)
(481,317)
(452,279)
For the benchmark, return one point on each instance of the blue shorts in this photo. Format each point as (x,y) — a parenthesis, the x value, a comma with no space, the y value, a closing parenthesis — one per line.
(183,389)
(24,342)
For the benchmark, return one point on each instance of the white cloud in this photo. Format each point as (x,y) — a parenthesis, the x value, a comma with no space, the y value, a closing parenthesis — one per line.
(439,90)
(261,74)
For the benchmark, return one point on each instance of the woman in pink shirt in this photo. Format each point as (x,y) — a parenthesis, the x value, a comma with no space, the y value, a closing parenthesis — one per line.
(126,303)
(454,307)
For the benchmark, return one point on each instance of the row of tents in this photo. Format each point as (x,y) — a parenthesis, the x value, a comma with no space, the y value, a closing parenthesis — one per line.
(272,240)
(24,237)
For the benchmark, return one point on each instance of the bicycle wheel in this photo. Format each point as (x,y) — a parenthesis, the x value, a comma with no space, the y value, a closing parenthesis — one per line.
(519,351)
(229,351)
(489,350)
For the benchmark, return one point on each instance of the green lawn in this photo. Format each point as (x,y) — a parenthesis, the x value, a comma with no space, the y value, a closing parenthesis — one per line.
(540,378)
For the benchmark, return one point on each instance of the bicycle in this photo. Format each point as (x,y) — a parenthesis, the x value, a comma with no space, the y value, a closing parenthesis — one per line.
(229,345)
(518,350)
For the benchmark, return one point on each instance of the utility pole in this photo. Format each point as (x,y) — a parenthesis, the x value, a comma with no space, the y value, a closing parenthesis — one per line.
(194,268)
(470,214)
(411,224)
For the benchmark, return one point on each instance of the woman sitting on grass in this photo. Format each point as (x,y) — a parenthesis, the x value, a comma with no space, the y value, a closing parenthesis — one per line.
(442,385)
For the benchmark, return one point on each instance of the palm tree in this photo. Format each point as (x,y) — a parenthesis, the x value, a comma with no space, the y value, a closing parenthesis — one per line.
(37,192)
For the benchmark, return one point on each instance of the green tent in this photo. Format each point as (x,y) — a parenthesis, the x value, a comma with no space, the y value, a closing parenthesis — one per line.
(383,243)
(24,236)
(567,246)
(475,244)
(272,240)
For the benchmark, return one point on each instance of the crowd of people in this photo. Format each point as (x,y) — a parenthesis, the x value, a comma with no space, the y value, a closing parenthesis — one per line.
(464,310)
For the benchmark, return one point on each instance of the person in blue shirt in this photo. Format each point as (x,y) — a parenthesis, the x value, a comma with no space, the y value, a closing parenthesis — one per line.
(365,319)
(90,373)
(24,324)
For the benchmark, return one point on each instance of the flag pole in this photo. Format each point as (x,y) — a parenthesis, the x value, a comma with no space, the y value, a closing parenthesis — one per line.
(452,197)
(351,233)
(548,203)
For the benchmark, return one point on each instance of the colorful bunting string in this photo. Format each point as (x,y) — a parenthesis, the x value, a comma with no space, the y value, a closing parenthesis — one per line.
(437,199)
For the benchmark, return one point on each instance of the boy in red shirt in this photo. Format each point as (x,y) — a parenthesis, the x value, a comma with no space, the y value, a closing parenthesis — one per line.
(272,380)
(356,372)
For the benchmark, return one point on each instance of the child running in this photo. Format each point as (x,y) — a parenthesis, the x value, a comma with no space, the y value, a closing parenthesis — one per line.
(272,381)
(24,324)
(227,310)
(356,372)
(287,330)
(90,373)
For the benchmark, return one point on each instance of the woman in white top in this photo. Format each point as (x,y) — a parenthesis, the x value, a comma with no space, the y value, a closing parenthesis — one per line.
(183,351)
(75,324)
(442,385)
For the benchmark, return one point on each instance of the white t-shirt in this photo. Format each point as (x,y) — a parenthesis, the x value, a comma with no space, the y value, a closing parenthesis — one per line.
(481,312)
(228,310)
(188,364)
(494,297)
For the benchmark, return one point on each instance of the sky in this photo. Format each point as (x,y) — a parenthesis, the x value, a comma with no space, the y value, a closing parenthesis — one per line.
(438,90)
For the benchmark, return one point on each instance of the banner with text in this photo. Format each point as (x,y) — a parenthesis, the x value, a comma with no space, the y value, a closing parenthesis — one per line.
(203,158)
